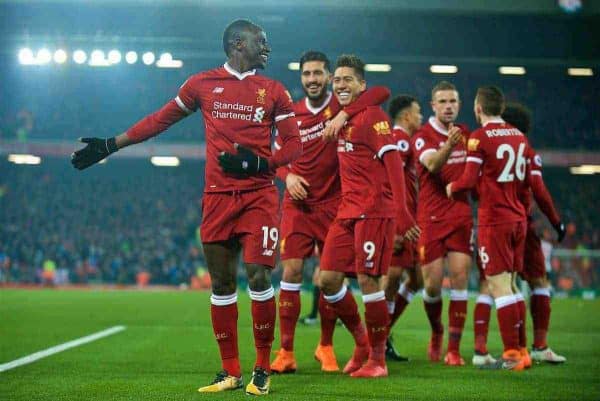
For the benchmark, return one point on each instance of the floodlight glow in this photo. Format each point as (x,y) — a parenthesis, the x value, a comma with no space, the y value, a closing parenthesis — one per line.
(97,59)
(60,56)
(43,56)
(294,66)
(79,56)
(378,67)
(131,57)
(165,161)
(443,69)
(24,159)
(148,58)
(580,72)
(114,56)
(166,61)
(506,70)
(26,56)
(586,169)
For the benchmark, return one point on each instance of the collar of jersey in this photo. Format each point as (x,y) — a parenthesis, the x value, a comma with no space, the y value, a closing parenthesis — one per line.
(237,74)
(318,109)
(494,121)
(401,128)
(433,122)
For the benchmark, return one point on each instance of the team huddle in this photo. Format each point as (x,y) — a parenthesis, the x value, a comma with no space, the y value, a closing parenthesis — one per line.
(383,198)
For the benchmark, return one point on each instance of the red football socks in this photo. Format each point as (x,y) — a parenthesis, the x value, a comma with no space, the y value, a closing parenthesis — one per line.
(289,312)
(224,314)
(457,314)
(433,308)
(328,319)
(346,309)
(508,321)
(263,325)
(540,314)
(377,320)
(481,321)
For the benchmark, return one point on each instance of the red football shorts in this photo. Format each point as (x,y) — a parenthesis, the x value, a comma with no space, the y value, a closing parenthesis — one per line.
(437,239)
(303,227)
(501,247)
(359,246)
(534,264)
(406,257)
(251,216)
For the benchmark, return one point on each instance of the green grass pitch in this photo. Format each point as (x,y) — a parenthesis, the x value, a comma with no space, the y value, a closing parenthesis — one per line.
(168,351)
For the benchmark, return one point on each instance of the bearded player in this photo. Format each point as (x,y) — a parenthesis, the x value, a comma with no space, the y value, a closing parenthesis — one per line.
(440,152)
(534,270)
(310,204)
(240,202)
(405,113)
(360,241)
(496,162)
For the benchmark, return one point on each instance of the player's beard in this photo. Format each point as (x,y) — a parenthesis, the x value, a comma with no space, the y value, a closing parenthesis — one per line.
(319,97)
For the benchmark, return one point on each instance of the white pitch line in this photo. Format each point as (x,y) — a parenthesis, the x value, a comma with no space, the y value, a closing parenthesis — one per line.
(59,348)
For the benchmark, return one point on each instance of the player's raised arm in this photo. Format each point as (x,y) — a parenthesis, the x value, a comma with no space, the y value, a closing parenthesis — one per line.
(153,124)
(435,160)
(371,97)
(468,179)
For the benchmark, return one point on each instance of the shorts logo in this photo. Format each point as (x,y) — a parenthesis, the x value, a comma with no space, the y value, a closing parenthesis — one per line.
(218,89)
(369,264)
(473,144)
(382,128)
(267,252)
(260,95)
(537,160)
(419,143)
(403,145)
(259,114)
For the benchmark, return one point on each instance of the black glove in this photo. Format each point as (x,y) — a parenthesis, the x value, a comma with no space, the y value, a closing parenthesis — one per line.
(560,230)
(245,162)
(96,150)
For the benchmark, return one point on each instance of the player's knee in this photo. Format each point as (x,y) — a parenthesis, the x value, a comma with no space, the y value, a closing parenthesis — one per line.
(292,272)
(223,287)
(330,284)
(259,278)
(433,291)
(414,283)
(368,284)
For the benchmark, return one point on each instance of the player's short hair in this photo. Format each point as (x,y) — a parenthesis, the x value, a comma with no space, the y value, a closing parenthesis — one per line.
(442,86)
(491,100)
(234,30)
(313,55)
(399,104)
(351,61)
(517,115)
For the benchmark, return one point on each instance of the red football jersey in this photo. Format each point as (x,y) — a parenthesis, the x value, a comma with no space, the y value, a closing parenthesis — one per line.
(499,151)
(366,190)
(237,108)
(318,163)
(410,173)
(432,203)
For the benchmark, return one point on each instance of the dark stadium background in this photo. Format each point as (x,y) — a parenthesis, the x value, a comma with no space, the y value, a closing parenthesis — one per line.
(110,223)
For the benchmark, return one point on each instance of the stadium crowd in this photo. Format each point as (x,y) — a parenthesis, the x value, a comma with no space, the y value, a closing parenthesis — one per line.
(50,214)
(23,115)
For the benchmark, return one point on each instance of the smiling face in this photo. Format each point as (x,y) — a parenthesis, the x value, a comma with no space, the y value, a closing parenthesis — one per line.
(315,78)
(347,85)
(255,48)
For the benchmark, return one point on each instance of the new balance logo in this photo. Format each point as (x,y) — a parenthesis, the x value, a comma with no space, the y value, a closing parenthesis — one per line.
(218,89)
(268,252)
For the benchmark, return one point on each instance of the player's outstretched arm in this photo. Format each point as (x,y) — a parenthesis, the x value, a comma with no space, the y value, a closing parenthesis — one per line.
(434,161)
(467,180)
(98,149)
